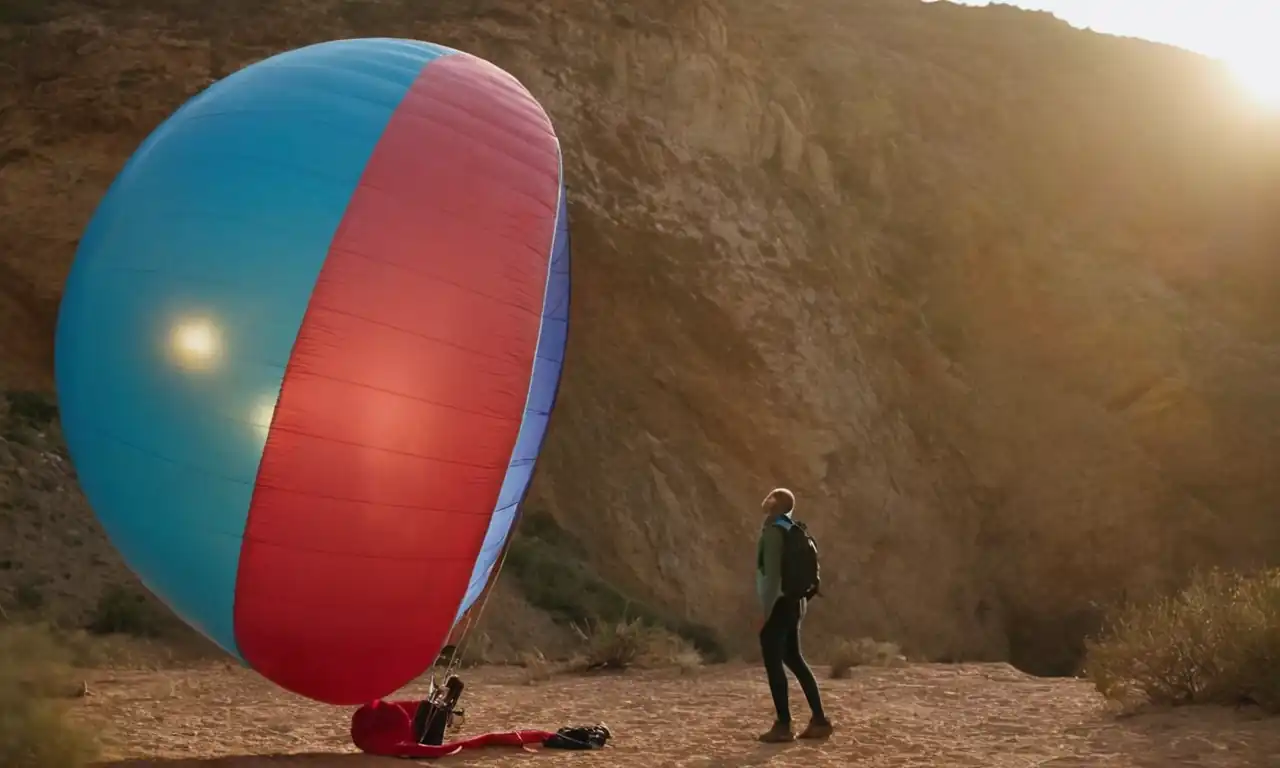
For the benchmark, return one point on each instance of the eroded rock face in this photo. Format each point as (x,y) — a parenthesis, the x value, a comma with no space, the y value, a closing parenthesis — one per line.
(995,297)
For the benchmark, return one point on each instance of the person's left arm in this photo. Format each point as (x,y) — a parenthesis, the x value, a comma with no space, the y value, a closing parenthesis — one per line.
(771,568)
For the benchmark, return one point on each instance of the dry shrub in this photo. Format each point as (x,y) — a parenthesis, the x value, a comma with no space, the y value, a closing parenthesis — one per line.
(477,652)
(864,652)
(468,654)
(538,668)
(1216,642)
(36,680)
(620,645)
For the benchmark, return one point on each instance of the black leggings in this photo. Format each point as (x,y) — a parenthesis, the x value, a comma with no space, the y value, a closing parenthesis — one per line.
(780,645)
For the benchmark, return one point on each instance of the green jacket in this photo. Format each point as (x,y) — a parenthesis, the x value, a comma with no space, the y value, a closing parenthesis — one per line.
(769,564)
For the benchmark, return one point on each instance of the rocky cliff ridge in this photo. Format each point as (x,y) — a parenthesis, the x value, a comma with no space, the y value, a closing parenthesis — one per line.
(995,296)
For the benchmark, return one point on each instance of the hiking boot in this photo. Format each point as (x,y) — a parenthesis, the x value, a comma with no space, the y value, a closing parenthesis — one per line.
(817,729)
(780,733)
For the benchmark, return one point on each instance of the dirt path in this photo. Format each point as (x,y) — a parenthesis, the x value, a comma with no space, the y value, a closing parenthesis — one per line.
(935,716)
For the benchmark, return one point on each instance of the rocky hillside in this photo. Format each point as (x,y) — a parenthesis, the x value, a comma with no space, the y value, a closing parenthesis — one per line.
(998,298)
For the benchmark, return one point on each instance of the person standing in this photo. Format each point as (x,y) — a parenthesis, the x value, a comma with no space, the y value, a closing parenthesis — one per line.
(786,578)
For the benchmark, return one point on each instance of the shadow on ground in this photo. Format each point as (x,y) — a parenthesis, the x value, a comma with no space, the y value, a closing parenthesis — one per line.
(308,759)
(753,755)
(311,759)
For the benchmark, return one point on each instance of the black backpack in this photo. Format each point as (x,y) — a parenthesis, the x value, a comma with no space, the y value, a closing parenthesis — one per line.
(580,737)
(801,574)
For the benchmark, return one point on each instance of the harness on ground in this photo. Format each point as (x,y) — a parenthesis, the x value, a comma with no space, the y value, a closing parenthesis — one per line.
(384,728)
(438,711)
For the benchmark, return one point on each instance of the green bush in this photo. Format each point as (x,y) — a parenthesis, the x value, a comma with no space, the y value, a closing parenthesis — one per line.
(36,410)
(1215,642)
(36,680)
(26,12)
(123,611)
(27,596)
(549,567)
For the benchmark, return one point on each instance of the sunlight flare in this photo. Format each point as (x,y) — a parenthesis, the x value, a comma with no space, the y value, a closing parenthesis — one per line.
(1259,76)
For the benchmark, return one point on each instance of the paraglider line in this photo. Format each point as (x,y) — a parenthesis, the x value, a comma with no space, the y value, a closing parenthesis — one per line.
(393,451)
(496,570)
(438,279)
(425,337)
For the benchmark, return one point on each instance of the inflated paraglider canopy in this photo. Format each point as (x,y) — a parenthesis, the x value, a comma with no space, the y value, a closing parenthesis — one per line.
(308,349)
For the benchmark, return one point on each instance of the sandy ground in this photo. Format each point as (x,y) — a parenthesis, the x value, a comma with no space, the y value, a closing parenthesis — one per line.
(962,715)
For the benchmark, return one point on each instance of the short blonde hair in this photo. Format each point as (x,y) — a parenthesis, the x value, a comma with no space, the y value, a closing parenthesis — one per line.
(790,498)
